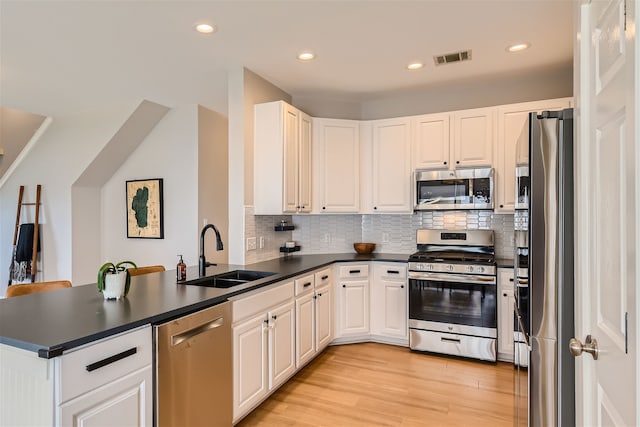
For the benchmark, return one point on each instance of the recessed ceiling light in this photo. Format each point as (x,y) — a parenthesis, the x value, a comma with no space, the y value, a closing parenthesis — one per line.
(415,66)
(205,28)
(518,47)
(306,56)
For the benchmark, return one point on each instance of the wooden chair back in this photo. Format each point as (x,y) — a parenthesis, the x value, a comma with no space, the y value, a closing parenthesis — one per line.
(36,287)
(145,270)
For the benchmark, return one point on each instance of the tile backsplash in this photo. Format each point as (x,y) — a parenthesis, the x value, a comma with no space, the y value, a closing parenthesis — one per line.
(391,233)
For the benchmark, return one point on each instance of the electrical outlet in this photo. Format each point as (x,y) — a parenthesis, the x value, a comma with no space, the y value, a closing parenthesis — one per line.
(327,238)
(385,237)
(251,244)
(261,242)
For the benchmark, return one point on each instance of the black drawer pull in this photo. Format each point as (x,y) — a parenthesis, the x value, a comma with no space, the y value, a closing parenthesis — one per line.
(511,279)
(344,286)
(354,271)
(455,340)
(401,286)
(274,317)
(111,359)
(306,284)
(393,272)
(504,295)
(325,277)
(319,295)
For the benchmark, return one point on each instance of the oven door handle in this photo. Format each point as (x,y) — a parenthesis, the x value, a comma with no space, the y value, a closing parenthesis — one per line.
(449,277)
(521,326)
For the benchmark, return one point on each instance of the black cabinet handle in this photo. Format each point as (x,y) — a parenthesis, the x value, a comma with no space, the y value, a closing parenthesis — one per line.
(375,207)
(354,271)
(325,277)
(324,207)
(274,317)
(393,272)
(504,295)
(111,359)
(306,284)
(502,206)
(511,279)
(315,297)
(445,163)
(401,286)
(457,162)
(319,295)
(344,286)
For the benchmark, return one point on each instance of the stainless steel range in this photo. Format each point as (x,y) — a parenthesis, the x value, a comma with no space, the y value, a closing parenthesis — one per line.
(452,293)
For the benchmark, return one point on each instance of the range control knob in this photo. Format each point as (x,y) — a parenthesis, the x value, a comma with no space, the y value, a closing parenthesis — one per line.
(429,267)
(449,267)
(480,269)
(469,268)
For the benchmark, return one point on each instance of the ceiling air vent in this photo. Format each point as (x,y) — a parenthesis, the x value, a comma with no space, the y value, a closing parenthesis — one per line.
(448,58)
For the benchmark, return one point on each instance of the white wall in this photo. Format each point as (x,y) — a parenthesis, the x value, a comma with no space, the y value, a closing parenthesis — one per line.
(16,130)
(56,160)
(169,152)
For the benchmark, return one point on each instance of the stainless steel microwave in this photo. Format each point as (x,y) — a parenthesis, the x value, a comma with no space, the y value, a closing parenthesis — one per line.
(457,189)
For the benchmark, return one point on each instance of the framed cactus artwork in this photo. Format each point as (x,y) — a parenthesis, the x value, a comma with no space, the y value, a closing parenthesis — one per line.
(144,209)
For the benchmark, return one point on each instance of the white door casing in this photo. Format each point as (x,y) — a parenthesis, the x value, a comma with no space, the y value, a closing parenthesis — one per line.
(607,218)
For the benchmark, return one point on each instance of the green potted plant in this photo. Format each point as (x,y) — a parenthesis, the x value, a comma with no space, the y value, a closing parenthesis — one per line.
(114,280)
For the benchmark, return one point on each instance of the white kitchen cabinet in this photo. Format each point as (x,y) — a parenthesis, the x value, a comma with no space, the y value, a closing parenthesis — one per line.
(513,125)
(505,314)
(324,317)
(389,302)
(473,133)
(431,141)
(352,300)
(305,328)
(282,338)
(336,166)
(391,167)
(263,344)
(282,159)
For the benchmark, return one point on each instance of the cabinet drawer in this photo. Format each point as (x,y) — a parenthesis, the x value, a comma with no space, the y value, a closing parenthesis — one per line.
(260,300)
(304,284)
(393,271)
(323,277)
(355,270)
(104,362)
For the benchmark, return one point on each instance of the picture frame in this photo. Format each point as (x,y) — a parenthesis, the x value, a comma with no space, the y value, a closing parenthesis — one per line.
(145,216)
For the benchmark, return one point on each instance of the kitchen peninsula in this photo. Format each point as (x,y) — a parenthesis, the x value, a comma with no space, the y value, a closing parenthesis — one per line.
(38,331)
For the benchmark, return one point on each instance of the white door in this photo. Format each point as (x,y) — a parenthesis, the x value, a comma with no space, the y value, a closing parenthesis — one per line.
(305,328)
(607,215)
(354,308)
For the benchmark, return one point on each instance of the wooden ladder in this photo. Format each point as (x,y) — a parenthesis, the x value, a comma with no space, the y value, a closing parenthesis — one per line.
(34,255)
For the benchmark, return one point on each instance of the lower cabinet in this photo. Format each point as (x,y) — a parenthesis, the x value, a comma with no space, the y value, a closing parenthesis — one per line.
(323,316)
(506,301)
(263,345)
(352,300)
(389,302)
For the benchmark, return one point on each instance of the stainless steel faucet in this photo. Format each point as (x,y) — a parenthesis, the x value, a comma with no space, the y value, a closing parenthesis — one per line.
(202,262)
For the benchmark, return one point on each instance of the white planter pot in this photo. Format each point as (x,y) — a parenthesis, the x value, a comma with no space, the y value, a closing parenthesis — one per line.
(114,285)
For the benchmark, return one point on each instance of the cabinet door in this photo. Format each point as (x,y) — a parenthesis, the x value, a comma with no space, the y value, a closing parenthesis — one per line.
(124,402)
(395,308)
(513,125)
(337,165)
(305,328)
(473,132)
(282,350)
(304,165)
(505,314)
(431,141)
(354,307)
(249,365)
(324,315)
(291,118)
(391,166)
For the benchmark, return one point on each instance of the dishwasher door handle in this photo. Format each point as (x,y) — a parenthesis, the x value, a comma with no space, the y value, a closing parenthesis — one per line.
(187,335)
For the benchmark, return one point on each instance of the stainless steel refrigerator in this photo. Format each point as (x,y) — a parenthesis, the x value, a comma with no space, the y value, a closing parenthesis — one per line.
(551,370)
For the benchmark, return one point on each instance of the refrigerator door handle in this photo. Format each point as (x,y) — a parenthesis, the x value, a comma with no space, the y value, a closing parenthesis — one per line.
(521,326)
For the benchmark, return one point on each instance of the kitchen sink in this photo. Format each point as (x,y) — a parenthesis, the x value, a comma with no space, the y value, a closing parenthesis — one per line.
(229,279)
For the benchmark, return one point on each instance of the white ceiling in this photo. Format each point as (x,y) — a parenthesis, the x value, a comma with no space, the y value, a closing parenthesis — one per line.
(60,56)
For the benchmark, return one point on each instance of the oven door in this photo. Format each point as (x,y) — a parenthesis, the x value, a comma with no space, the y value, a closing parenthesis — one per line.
(460,303)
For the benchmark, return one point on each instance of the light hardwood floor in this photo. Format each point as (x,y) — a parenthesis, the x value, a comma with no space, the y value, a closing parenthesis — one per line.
(382,385)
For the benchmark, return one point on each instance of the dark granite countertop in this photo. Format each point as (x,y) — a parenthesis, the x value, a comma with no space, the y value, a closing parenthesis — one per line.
(50,323)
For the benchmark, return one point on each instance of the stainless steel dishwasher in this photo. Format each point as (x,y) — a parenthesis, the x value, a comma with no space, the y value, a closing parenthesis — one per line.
(193,369)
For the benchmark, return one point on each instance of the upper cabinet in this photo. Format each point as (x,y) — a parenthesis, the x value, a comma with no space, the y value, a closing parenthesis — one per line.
(391,166)
(282,159)
(512,125)
(336,166)
(431,141)
(473,134)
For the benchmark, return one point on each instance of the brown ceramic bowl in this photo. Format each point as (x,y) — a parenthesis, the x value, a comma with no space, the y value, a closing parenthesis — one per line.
(364,248)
